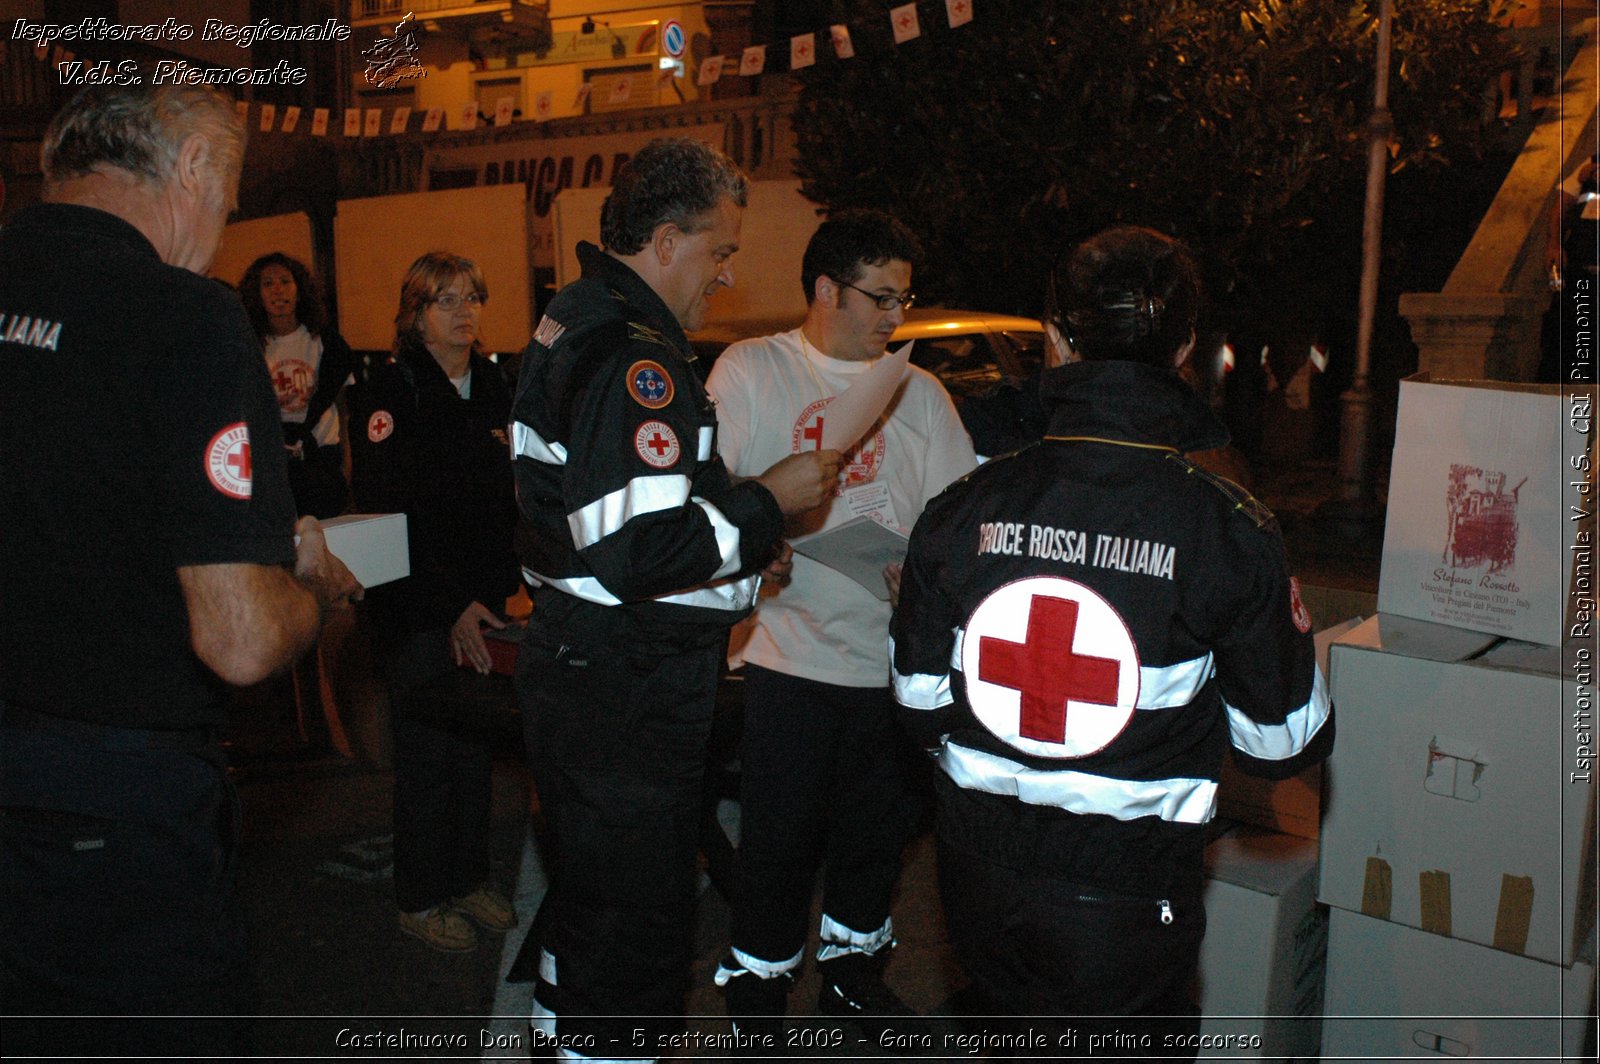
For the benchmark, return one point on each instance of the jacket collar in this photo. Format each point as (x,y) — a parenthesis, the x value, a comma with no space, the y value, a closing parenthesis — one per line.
(643,302)
(90,220)
(1129,401)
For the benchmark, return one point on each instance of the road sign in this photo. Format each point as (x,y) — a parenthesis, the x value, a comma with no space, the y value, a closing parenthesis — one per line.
(672,38)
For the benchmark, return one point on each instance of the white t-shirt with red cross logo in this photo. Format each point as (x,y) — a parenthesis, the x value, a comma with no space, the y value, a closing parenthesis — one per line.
(293,361)
(772,397)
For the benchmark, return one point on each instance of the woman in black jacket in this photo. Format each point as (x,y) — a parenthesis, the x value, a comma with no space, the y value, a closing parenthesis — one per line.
(429,440)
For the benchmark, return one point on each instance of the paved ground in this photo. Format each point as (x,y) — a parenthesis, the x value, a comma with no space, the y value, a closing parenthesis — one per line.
(316,860)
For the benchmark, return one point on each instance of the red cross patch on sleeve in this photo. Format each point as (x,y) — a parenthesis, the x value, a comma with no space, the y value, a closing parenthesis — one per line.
(228,461)
(1297,608)
(657,444)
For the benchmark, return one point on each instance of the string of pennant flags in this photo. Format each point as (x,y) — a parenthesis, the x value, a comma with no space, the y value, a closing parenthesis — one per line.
(905,25)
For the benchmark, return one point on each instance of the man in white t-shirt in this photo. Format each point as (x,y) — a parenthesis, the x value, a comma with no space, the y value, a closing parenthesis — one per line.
(825,776)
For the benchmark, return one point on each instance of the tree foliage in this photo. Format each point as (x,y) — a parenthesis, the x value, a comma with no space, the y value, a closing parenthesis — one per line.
(1238,126)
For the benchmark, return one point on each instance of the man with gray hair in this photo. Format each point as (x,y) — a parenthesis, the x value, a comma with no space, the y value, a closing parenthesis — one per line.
(150,552)
(644,552)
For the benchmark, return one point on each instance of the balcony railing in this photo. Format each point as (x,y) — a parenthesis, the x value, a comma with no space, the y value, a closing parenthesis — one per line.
(381,12)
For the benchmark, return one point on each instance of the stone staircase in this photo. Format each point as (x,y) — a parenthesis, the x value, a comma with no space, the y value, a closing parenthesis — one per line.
(1484,323)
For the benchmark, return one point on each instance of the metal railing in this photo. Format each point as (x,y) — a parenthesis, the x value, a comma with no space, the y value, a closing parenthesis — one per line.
(366,10)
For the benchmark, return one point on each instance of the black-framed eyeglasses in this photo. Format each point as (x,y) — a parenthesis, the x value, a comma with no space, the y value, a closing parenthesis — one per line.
(449,302)
(908,300)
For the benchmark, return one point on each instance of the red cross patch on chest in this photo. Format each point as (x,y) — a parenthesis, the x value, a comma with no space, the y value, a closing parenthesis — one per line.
(1051,668)
(380,426)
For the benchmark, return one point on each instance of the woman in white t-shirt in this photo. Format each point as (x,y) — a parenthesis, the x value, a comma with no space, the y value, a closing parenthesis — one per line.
(310,365)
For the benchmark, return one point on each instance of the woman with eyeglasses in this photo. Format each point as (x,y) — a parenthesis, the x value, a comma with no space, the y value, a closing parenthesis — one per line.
(429,441)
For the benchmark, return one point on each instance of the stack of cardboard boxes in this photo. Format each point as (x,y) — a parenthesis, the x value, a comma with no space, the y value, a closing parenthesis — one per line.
(1458,827)
(1262,961)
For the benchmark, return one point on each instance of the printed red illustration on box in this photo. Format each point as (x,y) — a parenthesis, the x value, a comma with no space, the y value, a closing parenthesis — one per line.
(1487,507)
(1483,520)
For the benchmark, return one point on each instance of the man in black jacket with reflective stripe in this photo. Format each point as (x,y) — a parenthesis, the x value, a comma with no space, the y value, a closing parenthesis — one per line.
(643,551)
(1085,627)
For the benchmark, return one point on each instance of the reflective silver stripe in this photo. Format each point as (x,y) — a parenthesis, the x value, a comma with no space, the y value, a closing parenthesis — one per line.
(703,451)
(547,967)
(585,587)
(1180,800)
(727,538)
(838,940)
(755,966)
(921,690)
(1173,685)
(1274,742)
(641,495)
(526,443)
(723,595)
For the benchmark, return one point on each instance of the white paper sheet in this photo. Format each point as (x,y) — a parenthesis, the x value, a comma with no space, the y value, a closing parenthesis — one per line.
(859,407)
(859,549)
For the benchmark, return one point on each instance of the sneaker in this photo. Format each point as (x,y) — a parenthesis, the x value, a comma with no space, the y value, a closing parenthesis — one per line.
(756,1007)
(852,985)
(491,909)
(442,928)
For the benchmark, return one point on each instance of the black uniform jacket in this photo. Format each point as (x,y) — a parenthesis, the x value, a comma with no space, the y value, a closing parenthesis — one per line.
(631,526)
(420,449)
(1087,625)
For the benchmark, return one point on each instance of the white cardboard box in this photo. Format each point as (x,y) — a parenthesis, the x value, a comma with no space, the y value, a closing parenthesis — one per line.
(1450,803)
(374,546)
(1394,991)
(1261,962)
(1479,530)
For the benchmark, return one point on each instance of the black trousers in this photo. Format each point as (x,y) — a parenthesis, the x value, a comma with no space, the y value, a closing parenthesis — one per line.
(117,856)
(443,769)
(824,779)
(1074,970)
(617,744)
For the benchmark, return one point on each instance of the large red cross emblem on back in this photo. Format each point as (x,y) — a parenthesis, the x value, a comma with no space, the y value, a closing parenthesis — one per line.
(1047,671)
(1050,666)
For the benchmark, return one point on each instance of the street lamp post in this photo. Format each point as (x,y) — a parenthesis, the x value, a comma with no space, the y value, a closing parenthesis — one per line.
(1356,426)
